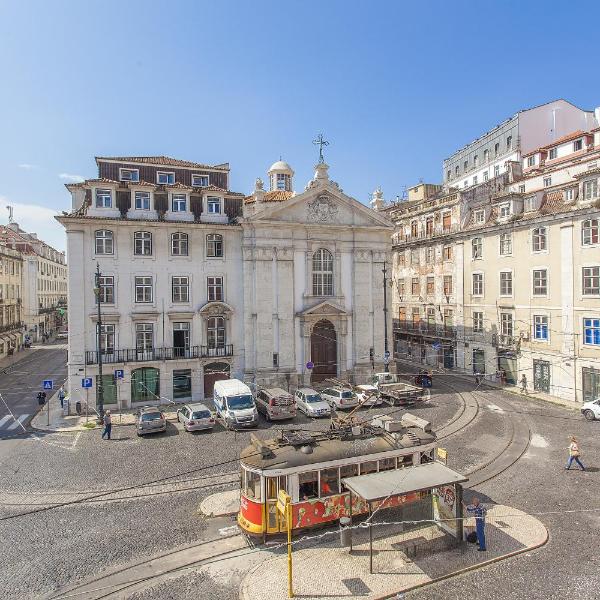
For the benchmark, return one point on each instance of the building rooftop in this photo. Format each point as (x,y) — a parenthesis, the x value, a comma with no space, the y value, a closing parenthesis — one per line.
(160,161)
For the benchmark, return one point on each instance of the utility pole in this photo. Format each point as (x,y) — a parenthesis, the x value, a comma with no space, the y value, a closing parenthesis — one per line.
(386,354)
(99,382)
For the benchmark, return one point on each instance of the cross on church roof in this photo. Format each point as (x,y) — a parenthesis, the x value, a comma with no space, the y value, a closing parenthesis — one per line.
(320,142)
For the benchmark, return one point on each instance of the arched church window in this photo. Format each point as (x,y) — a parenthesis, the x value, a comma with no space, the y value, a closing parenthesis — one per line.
(322,273)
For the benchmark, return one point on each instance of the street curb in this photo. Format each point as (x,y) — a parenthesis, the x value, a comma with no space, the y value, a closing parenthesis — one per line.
(464,570)
(79,428)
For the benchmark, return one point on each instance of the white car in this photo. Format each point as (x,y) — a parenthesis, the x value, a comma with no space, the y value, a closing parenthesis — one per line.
(591,410)
(371,391)
(340,398)
(310,403)
(195,417)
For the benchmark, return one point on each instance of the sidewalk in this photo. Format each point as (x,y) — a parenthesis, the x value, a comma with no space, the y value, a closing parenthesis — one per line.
(9,361)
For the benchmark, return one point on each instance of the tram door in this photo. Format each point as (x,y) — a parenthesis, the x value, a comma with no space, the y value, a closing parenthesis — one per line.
(275,520)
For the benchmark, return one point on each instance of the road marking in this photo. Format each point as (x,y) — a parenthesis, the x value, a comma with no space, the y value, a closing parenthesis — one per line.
(228,530)
(538,441)
(495,408)
(4,419)
(18,423)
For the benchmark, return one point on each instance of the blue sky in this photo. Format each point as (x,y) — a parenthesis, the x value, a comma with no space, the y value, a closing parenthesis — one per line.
(394,86)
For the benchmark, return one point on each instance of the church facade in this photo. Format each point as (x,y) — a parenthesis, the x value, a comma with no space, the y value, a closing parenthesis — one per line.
(197,283)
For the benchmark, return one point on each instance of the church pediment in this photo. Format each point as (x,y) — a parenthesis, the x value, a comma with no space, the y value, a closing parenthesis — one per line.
(325,308)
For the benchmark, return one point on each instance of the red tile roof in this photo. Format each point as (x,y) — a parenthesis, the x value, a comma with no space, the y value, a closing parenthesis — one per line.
(565,138)
(162,161)
(273,196)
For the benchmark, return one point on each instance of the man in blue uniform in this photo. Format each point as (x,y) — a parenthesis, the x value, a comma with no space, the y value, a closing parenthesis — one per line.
(479,511)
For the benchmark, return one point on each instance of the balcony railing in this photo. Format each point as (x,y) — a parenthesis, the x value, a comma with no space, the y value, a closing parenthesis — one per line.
(11,327)
(432,329)
(423,234)
(173,353)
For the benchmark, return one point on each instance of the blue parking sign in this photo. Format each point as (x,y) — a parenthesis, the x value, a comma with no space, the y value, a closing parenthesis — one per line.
(119,373)
(48,384)
(86,382)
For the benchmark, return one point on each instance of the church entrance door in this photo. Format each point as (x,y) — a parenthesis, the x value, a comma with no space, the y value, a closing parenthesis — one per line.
(323,351)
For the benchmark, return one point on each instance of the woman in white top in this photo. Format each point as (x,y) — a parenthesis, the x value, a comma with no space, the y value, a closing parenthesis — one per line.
(574,454)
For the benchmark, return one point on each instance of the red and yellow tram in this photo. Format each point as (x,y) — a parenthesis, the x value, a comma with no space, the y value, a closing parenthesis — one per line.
(310,467)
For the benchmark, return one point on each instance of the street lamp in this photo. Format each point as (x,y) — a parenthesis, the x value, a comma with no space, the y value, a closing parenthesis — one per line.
(99,382)
(386,354)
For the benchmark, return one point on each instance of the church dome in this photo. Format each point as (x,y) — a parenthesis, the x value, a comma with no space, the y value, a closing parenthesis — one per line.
(281,165)
(280,176)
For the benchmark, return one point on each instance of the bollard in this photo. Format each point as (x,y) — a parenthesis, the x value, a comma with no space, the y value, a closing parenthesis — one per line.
(346,532)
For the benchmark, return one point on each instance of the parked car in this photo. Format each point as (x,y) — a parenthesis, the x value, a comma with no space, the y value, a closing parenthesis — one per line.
(275,403)
(195,417)
(370,392)
(340,398)
(311,403)
(234,404)
(591,410)
(150,420)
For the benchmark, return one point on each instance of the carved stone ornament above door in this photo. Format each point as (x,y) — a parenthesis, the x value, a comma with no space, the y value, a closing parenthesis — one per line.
(322,210)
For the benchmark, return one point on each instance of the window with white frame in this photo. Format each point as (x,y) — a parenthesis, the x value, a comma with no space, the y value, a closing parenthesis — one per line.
(178,203)
(590,189)
(590,232)
(509,142)
(570,194)
(530,204)
(504,210)
(552,153)
(465,166)
(477,322)
(144,337)
(506,283)
(213,205)
(180,288)
(447,285)
(165,177)
(505,244)
(531,161)
(143,289)
(591,331)
(322,276)
(479,216)
(475,160)
(506,324)
(106,291)
(215,332)
(540,327)
(476,248)
(477,284)
(129,174)
(475,180)
(486,175)
(547,181)
(179,244)
(577,145)
(200,181)
(496,149)
(103,198)
(540,282)
(142,200)
(214,245)
(539,239)
(486,155)
(591,281)
(215,289)
(522,188)
(104,241)
(496,170)
(142,243)
(107,338)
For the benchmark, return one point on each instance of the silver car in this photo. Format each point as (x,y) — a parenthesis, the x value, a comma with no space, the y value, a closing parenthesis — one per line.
(311,404)
(195,417)
(340,398)
(150,420)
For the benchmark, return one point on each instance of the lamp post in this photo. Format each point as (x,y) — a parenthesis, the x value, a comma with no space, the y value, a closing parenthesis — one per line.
(99,382)
(386,354)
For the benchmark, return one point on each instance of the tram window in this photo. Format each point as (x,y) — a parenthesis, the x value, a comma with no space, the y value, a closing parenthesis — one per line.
(368,467)
(309,485)
(348,471)
(252,485)
(405,461)
(387,464)
(426,457)
(271,488)
(330,483)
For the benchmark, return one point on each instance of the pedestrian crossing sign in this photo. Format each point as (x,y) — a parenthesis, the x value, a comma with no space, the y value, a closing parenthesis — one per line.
(48,384)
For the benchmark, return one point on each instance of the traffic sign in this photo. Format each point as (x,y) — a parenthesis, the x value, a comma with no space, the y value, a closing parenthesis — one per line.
(86,382)
(283,501)
(310,364)
(119,373)
(436,345)
(48,384)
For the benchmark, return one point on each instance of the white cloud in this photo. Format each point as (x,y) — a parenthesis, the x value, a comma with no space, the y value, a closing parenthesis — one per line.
(71,178)
(27,166)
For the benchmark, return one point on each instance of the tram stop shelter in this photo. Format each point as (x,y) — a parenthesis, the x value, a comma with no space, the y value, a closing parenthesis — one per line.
(429,493)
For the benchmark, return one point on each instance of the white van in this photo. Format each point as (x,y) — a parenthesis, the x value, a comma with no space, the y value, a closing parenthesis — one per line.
(234,404)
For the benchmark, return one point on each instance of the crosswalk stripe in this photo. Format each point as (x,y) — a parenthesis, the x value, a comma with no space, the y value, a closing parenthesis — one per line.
(4,419)
(18,422)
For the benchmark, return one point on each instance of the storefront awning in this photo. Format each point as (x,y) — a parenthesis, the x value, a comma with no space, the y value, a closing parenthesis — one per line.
(378,486)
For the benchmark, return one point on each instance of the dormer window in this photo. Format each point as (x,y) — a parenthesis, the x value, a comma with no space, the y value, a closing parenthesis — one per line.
(577,145)
(213,205)
(129,174)
(103,199)
(165,177)
(479,216)
(531,161)
(590,189)
(200,180)
(504,210)
(552,153)
(530,204)
(178,203)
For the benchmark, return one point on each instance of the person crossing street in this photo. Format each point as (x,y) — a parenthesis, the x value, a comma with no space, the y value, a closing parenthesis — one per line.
(574,454)
(107,424)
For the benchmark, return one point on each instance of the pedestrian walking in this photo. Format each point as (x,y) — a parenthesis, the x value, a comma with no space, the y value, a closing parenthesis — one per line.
(61,396)
(41,397)
(574,454)
(107,424)
(479,510)
(477,378)
(502,376)
(524,385)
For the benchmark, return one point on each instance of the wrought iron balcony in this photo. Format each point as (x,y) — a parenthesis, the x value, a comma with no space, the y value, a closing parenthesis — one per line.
(11,327)
(172,353)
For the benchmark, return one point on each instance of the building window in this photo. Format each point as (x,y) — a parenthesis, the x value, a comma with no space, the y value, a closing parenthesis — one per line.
(322,277)
(106,290)
(540,327)
(590,229)
(479,216)
(415,287)
(476,248)
(103,199)
(505,244)
(142,245)
(509,142)
(178,203)
(448,174)
(416,318)
(401,259)
(179,244)
(143,289)
(590,189)
(506,324)
(477,322)
(429,226)
(577,145)
(104,241)
(477,284)
(475,180)
(448,319)
(522,189)
(215,332)
(496,148)
(447,285)
(180,289)
(486,155)
(414,229)
(181,339)
(530,204)
(591,281)
(591,332)
(107,339)
(414,257)
(475,160)
(504,210)
(496,170)
(401,288)
(429,255)
(486,175)
(446,221)
(129,174)
(540,282)
(213,205)
(144,337)
(539,239)
(547,181)
(430,286)
(447,252)
(456,170)
(182,384)
(200,180)
(506,283)
(465,166)
(165,178)
(552,153)
(531,161)
(215,289)
(283,182)
(214,245)
(142,200)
